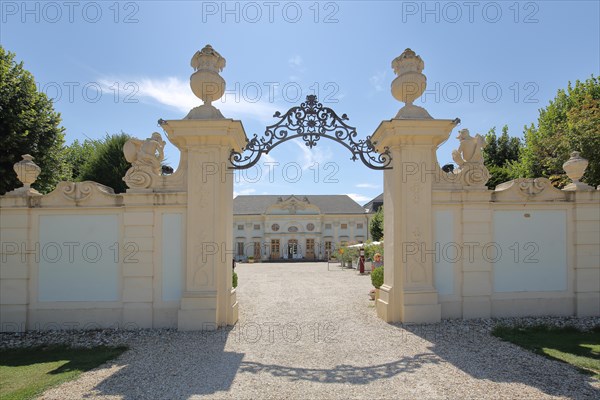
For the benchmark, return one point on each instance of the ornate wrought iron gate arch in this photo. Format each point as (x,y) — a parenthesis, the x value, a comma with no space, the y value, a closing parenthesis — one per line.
(311,121)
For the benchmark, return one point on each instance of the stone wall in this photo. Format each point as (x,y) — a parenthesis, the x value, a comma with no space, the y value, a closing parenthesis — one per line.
(524,249)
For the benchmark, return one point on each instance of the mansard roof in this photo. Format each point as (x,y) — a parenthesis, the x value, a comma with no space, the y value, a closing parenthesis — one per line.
(374,204)
(328,204)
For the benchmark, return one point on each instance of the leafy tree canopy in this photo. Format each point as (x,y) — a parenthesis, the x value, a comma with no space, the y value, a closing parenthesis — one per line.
(571,122)
(106,163)
(499,155)
(29,125)
(376,225)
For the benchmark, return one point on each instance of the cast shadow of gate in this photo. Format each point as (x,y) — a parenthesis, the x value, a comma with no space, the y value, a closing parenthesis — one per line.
(485,357)
(343,373)
(174,365)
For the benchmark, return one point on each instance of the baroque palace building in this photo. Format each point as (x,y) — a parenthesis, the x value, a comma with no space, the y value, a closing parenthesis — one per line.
(296,227)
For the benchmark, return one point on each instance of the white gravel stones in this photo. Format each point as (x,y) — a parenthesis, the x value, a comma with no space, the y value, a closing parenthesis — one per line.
(304,333)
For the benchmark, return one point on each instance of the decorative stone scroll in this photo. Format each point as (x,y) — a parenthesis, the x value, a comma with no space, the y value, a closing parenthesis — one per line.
(528,189)
(146,158)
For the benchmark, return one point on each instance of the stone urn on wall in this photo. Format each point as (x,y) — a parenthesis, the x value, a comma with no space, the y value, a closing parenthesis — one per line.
(27,173)
(409,85)
(575,168)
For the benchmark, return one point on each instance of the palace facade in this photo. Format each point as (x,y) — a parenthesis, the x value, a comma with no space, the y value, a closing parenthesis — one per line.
(293,227)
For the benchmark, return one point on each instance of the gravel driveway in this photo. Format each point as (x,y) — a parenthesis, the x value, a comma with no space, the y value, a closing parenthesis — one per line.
(306,332)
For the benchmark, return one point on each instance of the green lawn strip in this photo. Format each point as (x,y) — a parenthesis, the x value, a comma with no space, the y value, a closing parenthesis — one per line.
(26,373)
(580,349)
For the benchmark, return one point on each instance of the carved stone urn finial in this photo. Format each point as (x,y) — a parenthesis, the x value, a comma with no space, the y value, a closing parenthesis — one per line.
(575,168)
(27,171)
(206,83)
(409,85)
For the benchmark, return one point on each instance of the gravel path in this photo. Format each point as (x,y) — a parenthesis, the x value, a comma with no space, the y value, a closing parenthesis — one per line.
(309,333)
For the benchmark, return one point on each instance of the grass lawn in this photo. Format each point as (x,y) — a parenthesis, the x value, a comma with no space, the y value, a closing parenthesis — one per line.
(25,373)
(580,349)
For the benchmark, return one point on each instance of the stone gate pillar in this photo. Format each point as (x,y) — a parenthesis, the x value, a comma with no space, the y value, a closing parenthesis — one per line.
(205,139)
(408,293)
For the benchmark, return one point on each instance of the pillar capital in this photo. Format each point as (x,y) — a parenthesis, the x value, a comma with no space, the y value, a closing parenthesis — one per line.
(190,133)
(403,132)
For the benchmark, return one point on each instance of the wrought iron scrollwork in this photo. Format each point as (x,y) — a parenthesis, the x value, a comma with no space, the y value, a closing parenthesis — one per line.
(311,121)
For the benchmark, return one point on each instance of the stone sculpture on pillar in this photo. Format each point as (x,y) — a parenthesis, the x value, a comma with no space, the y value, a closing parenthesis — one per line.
(409,85)
(146,157)
(575,168)
(206,83)
(469,157)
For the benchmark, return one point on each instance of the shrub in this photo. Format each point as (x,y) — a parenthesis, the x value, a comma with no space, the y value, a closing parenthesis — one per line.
(235,279)
(377,277)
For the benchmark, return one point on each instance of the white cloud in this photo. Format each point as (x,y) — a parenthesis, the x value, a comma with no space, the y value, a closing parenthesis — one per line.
(378,80)
(308,157)
(359,198)
(176,93)
(243,192)
(367,186)
(295,61)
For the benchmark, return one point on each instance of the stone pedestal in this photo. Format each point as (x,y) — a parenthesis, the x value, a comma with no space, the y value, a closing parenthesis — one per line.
(408,293)
(208,299)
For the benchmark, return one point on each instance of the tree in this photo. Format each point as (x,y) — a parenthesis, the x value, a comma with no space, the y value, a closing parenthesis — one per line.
(376,225)
(29,125)
(107,164)
(569,123)
(499,155)
(77,154)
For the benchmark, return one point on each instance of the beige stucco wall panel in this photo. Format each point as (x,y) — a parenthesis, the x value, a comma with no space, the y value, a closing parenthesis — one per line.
(588,304)
(138,315)
(137,289)
(588,280)
(451,309)
(76,318)
(587,212)
(559,306)
(476,307)
(138,218)
(13,291)
(14,268)
(13,318)
(476,283)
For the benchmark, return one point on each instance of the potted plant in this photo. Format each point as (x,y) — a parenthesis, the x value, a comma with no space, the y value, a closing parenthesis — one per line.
(251,259)
(377,281)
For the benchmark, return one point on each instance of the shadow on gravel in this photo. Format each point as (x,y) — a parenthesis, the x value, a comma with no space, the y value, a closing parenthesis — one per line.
(483,356)
(174,367)
(343,373)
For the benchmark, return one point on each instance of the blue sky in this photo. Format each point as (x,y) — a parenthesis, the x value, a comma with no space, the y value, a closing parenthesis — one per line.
(120,66)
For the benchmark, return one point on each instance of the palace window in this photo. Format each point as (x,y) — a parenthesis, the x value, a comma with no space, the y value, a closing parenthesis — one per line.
(293,229)
(327,226)
(359,226)
(240,249)
(257,227)
(257,254)
(344,226)
(310,227)
(274,247)
(328,247)
(275,227)
(240,227)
